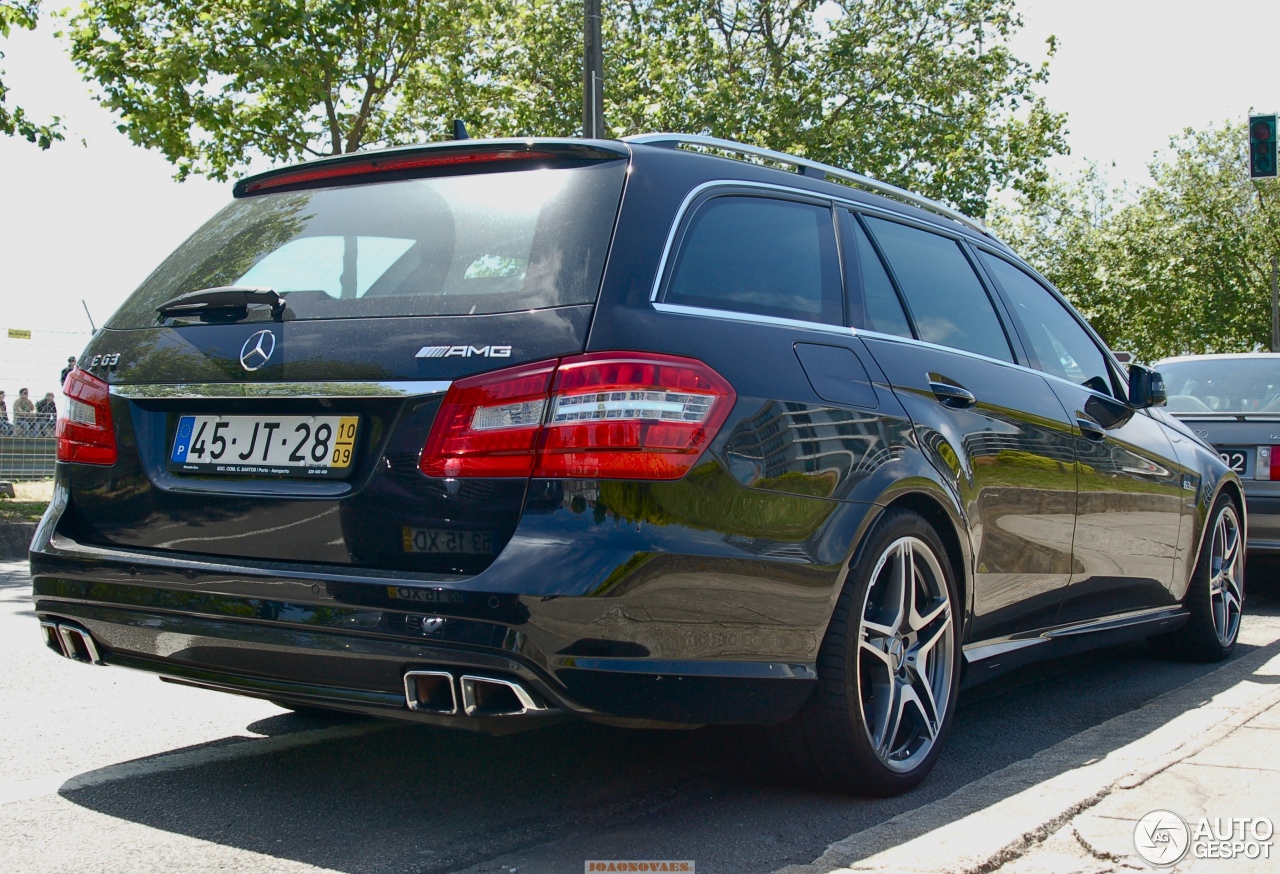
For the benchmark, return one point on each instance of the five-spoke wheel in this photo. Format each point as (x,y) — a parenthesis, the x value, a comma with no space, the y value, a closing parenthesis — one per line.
(888,668)
(1215,597)
(906,653)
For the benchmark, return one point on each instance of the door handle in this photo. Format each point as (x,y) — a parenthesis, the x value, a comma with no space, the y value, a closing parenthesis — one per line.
(951,395)
(1090,429)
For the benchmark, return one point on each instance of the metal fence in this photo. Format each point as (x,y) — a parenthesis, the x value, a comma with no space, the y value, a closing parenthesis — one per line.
(24,458)
(32,359)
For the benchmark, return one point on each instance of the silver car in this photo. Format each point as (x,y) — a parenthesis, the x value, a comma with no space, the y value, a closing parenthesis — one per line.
(1233,402)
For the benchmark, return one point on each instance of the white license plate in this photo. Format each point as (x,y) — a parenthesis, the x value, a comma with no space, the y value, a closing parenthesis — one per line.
(433,540)
(265,445)
(1236,459)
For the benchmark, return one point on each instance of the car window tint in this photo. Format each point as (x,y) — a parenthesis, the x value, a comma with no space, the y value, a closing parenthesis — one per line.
(947,300)
(1237,384)
(465,244)
(881,309)
(1061,344)
(760,255)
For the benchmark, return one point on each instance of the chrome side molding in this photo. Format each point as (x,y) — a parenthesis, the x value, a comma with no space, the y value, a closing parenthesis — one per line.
(196,391)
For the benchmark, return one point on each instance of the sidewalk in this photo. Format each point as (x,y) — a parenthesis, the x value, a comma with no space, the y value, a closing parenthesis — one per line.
(1236,775)
(1210,749)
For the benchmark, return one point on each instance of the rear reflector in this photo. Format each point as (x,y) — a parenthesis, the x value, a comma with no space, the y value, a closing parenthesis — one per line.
(609,415)
(86,434)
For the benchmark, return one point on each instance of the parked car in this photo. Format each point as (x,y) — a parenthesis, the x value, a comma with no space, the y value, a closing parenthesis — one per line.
(1233,403)
(668,431)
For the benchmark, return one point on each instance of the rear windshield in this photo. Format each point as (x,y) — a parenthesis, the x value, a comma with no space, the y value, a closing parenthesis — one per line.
(455,245)
(1222,385)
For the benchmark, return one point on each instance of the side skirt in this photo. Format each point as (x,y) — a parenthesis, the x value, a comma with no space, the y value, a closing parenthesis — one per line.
(986,659)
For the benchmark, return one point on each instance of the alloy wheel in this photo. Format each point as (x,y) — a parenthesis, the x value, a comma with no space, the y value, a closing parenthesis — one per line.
(906,653)
(1226,589)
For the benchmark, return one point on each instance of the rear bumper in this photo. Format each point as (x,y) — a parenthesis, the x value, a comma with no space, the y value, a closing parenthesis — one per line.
(347,644)
(1264,523)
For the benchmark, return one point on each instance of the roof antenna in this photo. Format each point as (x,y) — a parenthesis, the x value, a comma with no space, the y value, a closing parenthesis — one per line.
(460,130)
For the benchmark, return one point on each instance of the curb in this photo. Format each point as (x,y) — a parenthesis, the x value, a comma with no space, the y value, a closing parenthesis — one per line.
(1007,814)
(15,539)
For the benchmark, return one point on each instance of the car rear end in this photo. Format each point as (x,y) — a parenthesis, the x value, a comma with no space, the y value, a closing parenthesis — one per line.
(240,488)
(1232,402)
(345,448)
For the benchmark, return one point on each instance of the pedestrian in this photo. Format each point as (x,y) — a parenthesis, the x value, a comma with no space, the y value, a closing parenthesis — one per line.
(6,429)
(46,416)
(71,365)
(24,414)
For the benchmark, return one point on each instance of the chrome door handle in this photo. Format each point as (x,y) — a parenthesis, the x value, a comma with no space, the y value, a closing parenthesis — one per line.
(1090,429)
(953,396)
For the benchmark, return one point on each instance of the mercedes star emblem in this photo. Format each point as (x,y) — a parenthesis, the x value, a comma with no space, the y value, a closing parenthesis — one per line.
(257,350)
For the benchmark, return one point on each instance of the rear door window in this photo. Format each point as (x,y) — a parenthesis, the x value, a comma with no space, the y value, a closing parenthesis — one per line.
(760,255)
(947,301)
(452,245)
(881,309)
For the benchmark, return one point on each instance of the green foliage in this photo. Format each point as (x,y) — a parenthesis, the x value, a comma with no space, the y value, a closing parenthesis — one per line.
(209,83)
(1182,265)
(22,14)
(922,93)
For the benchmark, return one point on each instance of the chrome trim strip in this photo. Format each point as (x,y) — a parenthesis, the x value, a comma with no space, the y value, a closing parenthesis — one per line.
(1137,617)
(912,341)
(729,315)
(469,706)
(697,192)
(987,649)
(895,338)
(802,193)
(184,391)
(874,185)
(978,652)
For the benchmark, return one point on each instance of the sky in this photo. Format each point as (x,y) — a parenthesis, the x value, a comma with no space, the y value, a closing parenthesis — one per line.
(83,224)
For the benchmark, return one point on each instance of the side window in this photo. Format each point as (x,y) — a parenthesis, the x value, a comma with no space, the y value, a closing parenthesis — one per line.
(760,255)
(1061,345)
(947,300)
(881,309)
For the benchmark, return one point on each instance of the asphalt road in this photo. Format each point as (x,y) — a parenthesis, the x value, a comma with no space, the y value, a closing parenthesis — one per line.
(109,770)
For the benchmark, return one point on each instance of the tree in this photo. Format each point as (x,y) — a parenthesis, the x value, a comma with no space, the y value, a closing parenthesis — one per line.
(14,13)
(1181,265)
(923,93)
(213,83)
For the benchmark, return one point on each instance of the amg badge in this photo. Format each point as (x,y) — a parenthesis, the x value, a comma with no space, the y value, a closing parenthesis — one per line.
(464,352)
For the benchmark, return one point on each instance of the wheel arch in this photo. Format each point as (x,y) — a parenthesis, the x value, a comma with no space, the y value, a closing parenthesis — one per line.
(1230,487)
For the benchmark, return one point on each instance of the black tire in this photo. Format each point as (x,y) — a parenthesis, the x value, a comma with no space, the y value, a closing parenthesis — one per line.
(877,659)
(1215,597)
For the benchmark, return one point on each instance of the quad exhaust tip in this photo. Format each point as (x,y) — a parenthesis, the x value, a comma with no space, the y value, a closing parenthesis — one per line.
(434,692)
(430,692)
(70,641)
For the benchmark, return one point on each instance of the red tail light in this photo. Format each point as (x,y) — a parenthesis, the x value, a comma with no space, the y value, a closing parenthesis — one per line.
(86,434)
(607,415)
(390,163)
(489,424)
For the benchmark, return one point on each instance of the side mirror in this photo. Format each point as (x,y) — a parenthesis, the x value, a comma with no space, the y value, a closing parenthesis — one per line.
(1146,387)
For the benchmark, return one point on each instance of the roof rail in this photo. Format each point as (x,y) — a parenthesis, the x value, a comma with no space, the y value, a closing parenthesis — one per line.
(811,168)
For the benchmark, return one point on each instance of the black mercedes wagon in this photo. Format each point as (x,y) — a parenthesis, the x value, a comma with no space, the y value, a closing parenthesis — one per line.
(667,431)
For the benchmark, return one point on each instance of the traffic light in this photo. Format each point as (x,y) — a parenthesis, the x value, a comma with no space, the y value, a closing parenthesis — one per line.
(1262,146)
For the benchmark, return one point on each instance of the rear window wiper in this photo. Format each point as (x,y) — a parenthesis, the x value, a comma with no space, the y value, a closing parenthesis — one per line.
(231,301)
